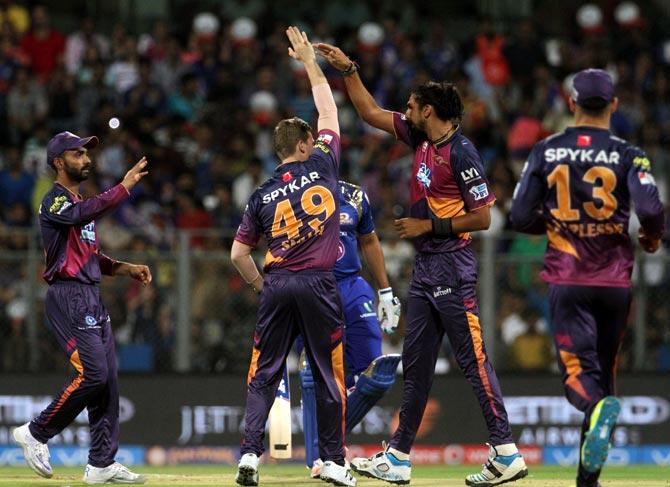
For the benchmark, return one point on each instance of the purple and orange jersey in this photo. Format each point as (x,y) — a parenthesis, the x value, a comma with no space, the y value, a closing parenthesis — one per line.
(67,223)
(299,203)
(577,186)
(448,181)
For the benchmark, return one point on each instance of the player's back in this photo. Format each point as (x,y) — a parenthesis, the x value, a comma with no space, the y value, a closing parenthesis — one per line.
(297,210)
(588,175)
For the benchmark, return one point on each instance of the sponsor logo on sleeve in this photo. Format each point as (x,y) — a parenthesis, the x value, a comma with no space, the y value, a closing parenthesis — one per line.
(326,138)
(643,163)
(480,191)
(59,204)
(646,178)
(470,174)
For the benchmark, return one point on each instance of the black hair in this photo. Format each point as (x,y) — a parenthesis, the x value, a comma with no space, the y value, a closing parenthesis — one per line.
(443,97)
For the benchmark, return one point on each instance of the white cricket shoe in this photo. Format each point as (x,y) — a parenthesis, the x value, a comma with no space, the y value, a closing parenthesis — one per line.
(247,470)
(315,473)
(500,468)
(36,452)
(112,474)
(337,474)
(384,466)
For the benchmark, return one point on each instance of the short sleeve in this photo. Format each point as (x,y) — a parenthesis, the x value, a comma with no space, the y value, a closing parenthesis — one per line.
(404,132)
(249,231)
(470,176)
(644,193)
(366,223)
(526,212)
(327,147)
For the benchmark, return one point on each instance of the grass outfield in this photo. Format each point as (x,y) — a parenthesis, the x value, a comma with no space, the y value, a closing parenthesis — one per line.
(288,475)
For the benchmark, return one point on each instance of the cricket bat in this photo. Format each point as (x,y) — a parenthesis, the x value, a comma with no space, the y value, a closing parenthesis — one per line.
(280,420)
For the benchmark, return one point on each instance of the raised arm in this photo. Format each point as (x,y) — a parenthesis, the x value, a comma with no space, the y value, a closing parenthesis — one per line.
(365,104)
(303,51)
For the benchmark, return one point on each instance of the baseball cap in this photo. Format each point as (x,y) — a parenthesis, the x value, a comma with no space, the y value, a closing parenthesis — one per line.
(63,141)
(592,88)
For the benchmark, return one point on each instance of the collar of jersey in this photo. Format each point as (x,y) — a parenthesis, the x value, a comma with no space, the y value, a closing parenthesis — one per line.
(445,140)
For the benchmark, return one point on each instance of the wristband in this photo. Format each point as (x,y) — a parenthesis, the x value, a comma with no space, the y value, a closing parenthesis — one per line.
(442,227)
(353,67)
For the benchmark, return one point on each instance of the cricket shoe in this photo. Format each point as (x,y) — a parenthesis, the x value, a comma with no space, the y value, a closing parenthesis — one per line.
(597,441)
(499,468)
(247,470)
(315,472)
(384,466)
(35,452)
(112,474)
(337,474)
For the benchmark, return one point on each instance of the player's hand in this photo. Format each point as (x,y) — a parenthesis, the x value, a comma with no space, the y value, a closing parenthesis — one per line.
(412,227)
(334,55)
(388,310)
(301,49)
(140,273)
(648,244)
(135,174)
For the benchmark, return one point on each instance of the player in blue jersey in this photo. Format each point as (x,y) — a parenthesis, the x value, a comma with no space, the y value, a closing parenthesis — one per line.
(297,211)
(577,187)
(363,339)
(76,314)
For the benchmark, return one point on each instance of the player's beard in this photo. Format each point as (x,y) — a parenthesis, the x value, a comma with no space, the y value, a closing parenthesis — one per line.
(75,174)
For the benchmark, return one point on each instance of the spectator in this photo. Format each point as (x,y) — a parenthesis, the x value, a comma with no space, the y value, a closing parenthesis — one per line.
(43,45)
(27,106)
(187,101)
(79,42)
(16,185)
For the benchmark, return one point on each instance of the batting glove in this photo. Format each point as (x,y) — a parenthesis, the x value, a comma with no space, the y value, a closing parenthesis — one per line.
(388,311)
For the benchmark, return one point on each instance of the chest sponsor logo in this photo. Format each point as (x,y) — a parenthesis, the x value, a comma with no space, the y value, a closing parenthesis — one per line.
(424,175)
(346,219)
(87,233)
(480,191)
(470,174)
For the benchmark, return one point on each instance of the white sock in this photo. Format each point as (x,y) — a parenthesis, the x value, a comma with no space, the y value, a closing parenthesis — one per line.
(398,454)
(506,449)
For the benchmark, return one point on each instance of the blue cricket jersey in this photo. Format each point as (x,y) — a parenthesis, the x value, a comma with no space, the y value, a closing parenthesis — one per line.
(355,219)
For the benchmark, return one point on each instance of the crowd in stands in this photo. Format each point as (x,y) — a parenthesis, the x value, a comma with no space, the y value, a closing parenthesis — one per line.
(199,95)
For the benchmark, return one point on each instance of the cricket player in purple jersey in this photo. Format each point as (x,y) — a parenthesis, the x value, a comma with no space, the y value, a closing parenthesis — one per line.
(450,197)
(297,211)
(76,314)
(577,187)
